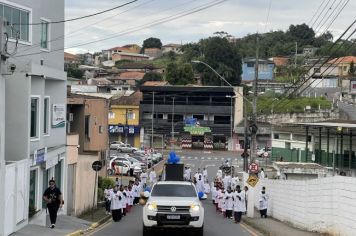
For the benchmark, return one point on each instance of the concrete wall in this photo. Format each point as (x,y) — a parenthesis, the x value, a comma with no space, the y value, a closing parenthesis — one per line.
(326,205)
(85,179)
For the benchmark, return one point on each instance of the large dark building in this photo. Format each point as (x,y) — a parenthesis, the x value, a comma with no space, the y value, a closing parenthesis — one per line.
(201,116)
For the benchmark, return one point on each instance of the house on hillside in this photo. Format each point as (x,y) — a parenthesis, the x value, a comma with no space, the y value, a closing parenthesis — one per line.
(130,48)
(172,47)
(309,51)
(119,56)
(343,65)
(128,78)
(265,69)
(153,53)
(70,60)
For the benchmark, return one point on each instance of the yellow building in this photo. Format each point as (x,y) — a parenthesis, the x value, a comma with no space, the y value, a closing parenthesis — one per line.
(343,64)
(124,120)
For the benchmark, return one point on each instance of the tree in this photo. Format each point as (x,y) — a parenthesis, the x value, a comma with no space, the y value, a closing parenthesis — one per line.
(151,43)
(224,57)
(303,34)
(151,76)
(75,73)
(179,74)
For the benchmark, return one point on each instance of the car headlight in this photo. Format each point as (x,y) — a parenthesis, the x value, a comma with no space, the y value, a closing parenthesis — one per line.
(152,206)
(195,207)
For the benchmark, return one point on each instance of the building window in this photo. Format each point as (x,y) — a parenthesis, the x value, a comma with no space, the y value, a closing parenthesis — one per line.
(101,130)
(131,115)
(222,120)
(87,127)
(46,116)
(33,184)
(198,117)
(19,19)
(275,136)
(158,116)
(250,64)
(34,117)
(44,34)
(111,115)
(345,68)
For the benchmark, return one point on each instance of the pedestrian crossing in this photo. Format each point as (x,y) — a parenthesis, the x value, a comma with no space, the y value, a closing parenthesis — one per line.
(209,158)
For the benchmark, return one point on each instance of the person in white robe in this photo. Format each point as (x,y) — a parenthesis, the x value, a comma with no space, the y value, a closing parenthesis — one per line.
(263,201)
(229,203)
(116,204)
(153,177)
(239,204)
(205,174)
(234,182)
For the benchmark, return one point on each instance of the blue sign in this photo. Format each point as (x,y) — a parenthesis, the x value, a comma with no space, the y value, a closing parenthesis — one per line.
(191,121)
(39,156)
(123,129)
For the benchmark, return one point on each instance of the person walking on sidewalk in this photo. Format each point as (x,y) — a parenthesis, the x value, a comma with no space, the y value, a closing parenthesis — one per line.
(246,198)
(153,177)
(263,200)
(53,197)
(239,204)
(116,204)
(107,194)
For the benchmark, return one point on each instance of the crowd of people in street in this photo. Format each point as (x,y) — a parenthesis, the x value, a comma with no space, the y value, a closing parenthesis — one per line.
(120,199)
(227,194)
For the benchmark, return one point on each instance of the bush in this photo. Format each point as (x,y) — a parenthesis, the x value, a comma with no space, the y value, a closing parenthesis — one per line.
(104,182)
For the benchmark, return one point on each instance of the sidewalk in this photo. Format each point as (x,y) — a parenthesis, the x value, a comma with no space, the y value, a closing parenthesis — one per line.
(273,227)
(65,225)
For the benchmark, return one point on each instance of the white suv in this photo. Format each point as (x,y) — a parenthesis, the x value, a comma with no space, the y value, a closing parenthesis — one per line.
(173,204)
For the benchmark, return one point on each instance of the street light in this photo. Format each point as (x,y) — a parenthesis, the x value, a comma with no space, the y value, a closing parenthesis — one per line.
(243,97)
(231,120)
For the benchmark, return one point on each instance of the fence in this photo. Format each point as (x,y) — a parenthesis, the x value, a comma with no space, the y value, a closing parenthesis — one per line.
(326,205)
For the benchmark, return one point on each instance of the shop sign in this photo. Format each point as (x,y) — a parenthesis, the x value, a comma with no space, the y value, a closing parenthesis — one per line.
(39,156)
(58,115)
(197,130)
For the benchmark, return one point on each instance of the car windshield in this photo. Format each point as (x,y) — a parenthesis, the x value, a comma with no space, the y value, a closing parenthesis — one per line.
(173,190)
(132,159)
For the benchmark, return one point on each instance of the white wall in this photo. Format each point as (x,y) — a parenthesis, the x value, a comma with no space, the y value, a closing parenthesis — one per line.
(326,205)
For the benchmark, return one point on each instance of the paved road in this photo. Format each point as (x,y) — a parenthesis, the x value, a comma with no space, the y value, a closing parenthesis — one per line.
(349,109)
(215,224)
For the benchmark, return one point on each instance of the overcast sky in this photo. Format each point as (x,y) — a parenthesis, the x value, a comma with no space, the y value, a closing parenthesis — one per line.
(133,23)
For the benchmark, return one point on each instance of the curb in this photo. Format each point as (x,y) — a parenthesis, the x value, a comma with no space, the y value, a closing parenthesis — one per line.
(257,227)
(91,227)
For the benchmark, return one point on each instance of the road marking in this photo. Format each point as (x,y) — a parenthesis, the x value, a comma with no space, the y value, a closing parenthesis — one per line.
(209,158)
(203,158)
(243,225)
(183,157)
(189,157)
(215,158)
(195,158)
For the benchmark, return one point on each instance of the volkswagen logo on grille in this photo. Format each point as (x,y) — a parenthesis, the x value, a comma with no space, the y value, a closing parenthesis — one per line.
(173,209)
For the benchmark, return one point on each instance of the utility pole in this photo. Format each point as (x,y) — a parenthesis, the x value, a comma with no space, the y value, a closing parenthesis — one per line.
(254,105)
(153,117)
(172,141)
(296,54)
(2,125)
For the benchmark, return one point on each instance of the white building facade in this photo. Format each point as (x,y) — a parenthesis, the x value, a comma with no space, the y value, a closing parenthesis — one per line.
(33,145)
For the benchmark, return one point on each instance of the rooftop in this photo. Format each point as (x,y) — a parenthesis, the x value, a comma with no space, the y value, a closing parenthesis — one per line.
(133,99)
(155,83)
(347,59)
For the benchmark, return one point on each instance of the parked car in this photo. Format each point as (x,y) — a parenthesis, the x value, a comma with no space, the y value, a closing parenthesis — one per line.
(117,167)
(261,151)
(126,148)
(115,144)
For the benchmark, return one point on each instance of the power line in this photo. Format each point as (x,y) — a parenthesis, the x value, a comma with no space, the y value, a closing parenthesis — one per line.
(144,26)
(85,27)
(326,13)
(318,61)
(82,17)
(329,17)
(321,4)
(269,10)
(336,16)
(312,26)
